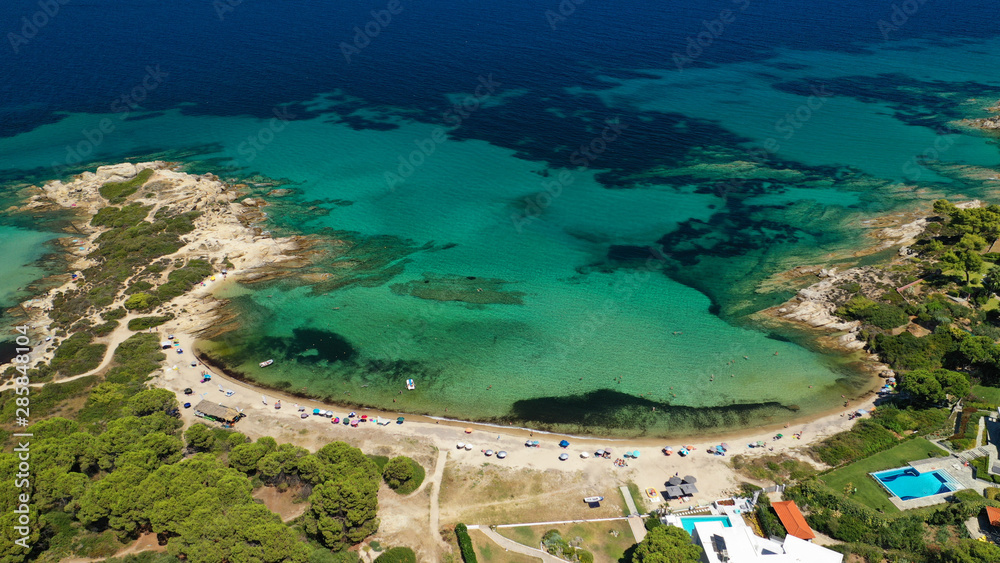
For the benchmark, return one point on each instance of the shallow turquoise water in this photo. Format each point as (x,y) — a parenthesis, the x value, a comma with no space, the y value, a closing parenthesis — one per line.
(593,338)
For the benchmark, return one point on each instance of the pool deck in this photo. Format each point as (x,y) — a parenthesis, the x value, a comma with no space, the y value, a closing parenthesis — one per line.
(953,466)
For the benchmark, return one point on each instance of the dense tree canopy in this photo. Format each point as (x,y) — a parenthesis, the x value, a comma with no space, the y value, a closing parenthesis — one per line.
(666,544)
(933,386)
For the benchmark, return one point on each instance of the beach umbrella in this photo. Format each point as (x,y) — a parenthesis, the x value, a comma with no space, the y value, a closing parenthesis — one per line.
(584,455)
(489,453)
(468,431)
(564,457)
(468,447)
(689,479)
(600,452)
(563,444)
(635,454)
(501,454)
(674,481)
(673,491)
(725,446)
(461,445)
(400,420)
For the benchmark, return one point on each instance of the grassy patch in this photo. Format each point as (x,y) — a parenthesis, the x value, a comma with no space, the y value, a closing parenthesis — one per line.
(145,323)
(380,461)
(46,401)
(990,395)
(116,192)
(779,468)
(606,540)
(486,550)
(868,491)
(637,497)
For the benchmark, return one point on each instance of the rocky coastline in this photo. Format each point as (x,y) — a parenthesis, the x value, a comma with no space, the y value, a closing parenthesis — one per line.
(814,306)
(228,233)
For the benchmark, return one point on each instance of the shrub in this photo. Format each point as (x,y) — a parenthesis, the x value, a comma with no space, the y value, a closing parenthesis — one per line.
(116,192)
(992,493)
(77,355)
(114,314)
(397,555)
(397,471)
(465,544)
(140,300)
(403,475)
(104,329)
(585,556)
(145,323)
(980,464)
(865,438)
(882,315)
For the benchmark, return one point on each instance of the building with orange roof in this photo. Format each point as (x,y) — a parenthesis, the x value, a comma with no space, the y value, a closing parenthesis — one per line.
(993,515)
(792,519)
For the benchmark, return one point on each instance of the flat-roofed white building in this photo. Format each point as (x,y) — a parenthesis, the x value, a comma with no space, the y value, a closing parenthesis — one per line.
(739,544)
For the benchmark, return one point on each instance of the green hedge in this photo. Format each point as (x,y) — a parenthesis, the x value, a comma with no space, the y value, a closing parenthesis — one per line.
(465,544)
(981,470)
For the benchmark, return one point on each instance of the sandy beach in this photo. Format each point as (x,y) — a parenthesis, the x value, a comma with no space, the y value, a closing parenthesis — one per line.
(225,232)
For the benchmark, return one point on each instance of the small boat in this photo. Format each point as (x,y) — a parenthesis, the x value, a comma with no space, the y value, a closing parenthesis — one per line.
(592,500)
(501,454)
(266,363)
(652,493)
(410,385)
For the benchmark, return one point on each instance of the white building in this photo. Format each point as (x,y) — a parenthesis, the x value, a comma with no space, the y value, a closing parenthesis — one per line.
(739,544)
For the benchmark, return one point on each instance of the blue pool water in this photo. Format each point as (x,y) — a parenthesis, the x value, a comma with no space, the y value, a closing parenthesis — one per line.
(908,483)
(688,523)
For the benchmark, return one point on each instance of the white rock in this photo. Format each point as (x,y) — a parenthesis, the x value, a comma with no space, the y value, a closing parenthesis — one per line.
(124,170)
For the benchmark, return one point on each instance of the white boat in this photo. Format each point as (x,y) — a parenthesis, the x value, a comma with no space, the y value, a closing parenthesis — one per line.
(593,499)
(267,363)
(410,385)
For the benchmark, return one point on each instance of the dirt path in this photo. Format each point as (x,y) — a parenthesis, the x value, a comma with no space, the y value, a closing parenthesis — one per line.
(512,545)
(435,519)
(116,337)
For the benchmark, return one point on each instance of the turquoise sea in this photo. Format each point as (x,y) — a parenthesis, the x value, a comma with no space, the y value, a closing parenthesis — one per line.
(583,244)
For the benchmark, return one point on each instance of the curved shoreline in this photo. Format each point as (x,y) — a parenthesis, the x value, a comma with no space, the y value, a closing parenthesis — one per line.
(229,231)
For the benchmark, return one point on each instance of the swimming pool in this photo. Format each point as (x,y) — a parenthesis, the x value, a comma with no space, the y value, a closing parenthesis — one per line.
(689,522)
(907,483)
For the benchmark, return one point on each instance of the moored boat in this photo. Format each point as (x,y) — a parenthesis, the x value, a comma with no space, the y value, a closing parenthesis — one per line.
(266,363)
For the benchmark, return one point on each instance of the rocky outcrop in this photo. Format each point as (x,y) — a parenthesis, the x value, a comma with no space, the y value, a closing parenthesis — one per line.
(815,305)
